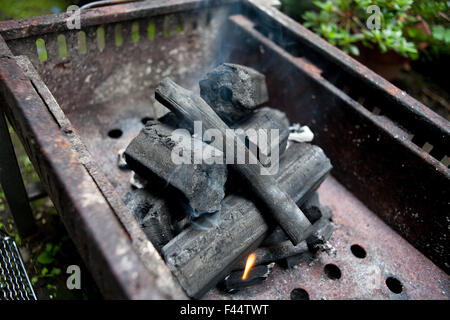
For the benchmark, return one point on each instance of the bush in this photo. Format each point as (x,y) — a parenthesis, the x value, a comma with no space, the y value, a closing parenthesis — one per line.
(407,27)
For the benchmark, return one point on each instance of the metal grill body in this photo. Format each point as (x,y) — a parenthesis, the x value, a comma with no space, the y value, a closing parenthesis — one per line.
(389,195)
(14,282)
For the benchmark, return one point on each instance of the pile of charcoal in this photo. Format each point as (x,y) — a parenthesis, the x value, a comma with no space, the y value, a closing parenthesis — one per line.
(205,212)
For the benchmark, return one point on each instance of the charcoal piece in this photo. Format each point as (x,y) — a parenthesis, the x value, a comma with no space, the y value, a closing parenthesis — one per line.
(199,259)
(323,229)
(278,205)
(233,91)
(295,260)
(234,282)
(267,119)
(326,213)
(312,208)
(276,252)
(275,237)
(152,213)
(150,155)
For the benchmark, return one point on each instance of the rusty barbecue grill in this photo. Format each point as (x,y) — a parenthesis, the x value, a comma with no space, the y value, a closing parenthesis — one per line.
(77,97)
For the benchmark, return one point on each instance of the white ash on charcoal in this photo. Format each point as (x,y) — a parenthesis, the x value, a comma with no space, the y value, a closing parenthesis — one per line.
(233,91)
(150,155)
(300,133)
(121,161)
(234,282)
(136,181)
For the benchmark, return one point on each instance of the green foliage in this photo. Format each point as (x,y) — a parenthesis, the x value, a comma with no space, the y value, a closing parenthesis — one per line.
(17,9)
(48,255)
(343,23)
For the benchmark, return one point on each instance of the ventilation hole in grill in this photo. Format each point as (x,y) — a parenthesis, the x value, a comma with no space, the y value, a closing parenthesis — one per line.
(41,50)
(376,111)
(101,38)
(332,271)
(394,285)
(135,32)
(445,161)
(299,294)
(118,38)
(166,30)
(151,30)
(358,251)
(194,25)
(82,47)
(145,119)
(115,133)
(62,46)
(427,147)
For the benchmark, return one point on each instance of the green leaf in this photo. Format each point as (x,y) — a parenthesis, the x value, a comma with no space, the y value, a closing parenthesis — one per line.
(44,271)
(55,272)
(45,258)
(48,247)
(438,32)
(447,36)
(354,50)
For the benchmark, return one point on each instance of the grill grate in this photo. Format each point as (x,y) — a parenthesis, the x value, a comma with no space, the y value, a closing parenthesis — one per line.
(14,282)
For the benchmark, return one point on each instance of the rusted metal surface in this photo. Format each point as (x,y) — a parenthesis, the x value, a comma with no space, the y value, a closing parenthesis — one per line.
(89,219)
(14,29)
(388,255)
(371,153)
(101,89)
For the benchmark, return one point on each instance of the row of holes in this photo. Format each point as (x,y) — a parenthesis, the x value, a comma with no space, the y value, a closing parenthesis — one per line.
(117,133)
(333,272)
(425,146)
(118,37)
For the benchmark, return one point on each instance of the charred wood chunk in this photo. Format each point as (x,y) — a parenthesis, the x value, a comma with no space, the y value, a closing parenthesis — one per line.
(312,208)
(294,260)
(152,213)
(278,205)
(234,282)
(150,155)
(268,120)
(233,91)
(199,259)
(323,229)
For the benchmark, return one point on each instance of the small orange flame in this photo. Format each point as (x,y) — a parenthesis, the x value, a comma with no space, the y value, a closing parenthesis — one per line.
(248,265)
